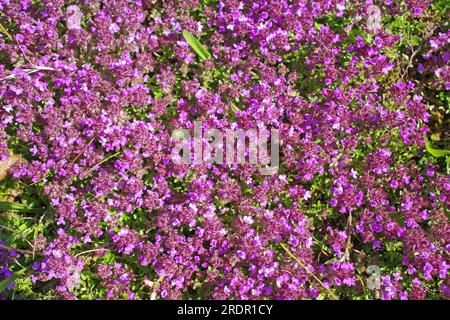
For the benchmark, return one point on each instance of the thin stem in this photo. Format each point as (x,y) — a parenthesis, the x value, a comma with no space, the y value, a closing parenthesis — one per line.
(5,32)
(15,249)
(30,71)
(101,162)
(82,151)
(307,270)
(87,251)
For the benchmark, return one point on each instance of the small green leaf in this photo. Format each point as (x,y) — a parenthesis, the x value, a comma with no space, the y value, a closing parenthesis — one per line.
(196,45)
(436,152)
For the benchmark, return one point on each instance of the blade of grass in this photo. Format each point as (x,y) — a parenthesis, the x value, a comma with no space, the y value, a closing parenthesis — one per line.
(23,251)
(307,270)
(235,108)
(101,162)
(82,151)
(436,152)
(88,251)
(5,32)
(196,45)
(16,207)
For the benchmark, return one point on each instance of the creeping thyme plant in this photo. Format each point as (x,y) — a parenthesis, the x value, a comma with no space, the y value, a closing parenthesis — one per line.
(93,207)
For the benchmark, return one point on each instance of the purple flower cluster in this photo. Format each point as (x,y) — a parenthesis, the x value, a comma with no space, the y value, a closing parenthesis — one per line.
(6,260)
(95,129)
(436,61)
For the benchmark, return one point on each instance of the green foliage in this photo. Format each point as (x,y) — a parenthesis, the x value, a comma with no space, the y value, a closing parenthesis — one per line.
(15,207)
(436,152)
(5,283)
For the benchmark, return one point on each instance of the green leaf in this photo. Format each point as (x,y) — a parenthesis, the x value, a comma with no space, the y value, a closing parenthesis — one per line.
(16,207)
(436,152)
(196,45)
(5,283)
